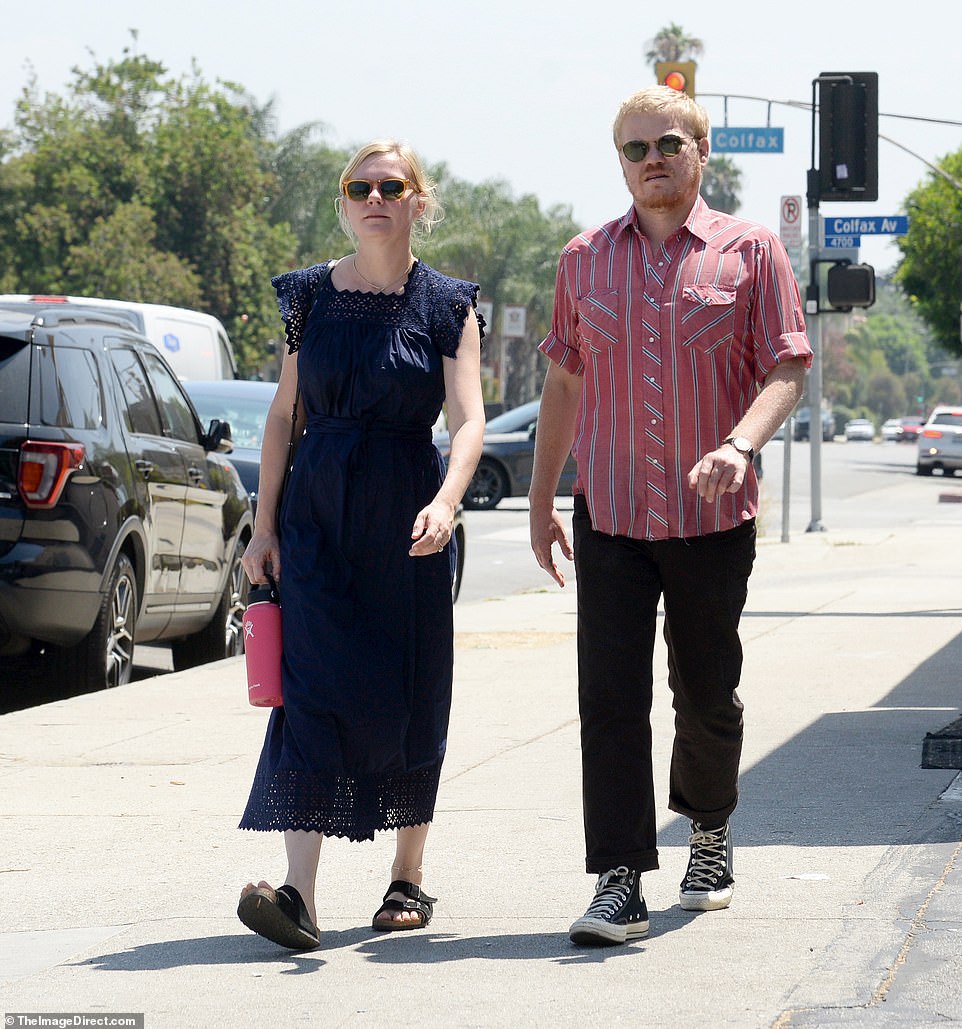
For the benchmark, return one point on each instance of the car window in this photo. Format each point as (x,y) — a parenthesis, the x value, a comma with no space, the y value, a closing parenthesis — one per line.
(140,410)
(67,388)
(515,420)
(246,416)
(948,418)
(14,376)
(178,418)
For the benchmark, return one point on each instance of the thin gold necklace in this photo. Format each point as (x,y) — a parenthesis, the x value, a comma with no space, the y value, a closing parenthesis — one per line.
(374,285)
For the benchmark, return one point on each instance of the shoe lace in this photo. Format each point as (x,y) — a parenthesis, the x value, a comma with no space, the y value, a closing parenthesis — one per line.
(611,892)
(709,857)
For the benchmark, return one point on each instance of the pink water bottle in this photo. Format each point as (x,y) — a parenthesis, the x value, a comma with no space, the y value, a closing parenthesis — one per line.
(262,645)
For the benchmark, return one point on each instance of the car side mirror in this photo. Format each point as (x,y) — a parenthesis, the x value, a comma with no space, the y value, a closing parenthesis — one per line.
(218,437)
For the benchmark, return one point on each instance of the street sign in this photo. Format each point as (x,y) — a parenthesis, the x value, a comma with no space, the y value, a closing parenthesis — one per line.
(843,242)
(513,321)
(727,140)
(847,225)
(790,222)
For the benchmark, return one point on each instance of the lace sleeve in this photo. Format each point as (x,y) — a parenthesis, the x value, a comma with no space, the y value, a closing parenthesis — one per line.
(295,298)
(458,298)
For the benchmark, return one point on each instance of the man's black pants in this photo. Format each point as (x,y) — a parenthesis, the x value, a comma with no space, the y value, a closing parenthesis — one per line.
(704,581)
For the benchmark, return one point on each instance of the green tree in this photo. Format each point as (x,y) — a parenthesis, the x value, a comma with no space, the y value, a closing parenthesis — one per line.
(721,183)
(932,251)
(145,187)
(511,247)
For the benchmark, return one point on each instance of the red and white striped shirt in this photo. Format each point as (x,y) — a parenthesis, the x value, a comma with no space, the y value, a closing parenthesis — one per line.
(673,344)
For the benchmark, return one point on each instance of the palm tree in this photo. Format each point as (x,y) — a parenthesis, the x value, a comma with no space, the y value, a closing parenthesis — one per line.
(720,184)
(671,44)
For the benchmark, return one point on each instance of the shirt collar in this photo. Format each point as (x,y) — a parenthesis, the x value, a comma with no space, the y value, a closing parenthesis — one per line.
(697,222)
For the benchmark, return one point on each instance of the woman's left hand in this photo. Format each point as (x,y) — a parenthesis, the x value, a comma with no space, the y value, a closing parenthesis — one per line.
(432,529)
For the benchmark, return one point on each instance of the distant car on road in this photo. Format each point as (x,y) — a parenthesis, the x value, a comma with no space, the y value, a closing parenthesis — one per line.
(911,427)
(891,431)
(507,459)
(859,429)
(802,419)
(940,442)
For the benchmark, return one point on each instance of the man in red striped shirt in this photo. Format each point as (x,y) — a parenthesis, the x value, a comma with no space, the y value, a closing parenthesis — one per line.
(677,347)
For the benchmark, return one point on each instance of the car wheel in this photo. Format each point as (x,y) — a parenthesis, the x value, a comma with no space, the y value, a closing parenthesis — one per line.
(223,636)
(488,487)
(105,657)
(923,469)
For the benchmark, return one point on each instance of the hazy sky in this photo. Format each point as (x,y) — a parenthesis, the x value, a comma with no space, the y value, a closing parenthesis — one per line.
(525,91)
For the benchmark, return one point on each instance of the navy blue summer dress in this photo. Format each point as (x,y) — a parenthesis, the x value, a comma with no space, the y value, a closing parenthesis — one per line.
(368,630)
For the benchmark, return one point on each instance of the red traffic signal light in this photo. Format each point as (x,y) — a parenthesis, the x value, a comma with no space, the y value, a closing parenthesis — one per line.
(678,75)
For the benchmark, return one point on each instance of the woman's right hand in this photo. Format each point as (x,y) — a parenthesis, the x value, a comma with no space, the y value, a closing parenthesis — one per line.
(262,553)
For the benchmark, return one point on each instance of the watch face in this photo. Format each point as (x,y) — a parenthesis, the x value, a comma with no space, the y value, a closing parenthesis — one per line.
(742,445)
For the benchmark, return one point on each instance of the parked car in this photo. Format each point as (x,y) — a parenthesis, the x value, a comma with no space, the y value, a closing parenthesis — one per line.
(507,459)
(243,404)
(940,442)
(196,345)
(802,419)
(859,429)
(121,520)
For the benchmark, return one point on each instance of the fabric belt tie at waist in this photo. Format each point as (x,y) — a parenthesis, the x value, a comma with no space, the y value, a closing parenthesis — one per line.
(371,429)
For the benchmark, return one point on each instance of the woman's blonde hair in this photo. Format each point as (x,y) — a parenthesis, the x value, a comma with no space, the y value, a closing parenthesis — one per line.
(658,100)
(425,187)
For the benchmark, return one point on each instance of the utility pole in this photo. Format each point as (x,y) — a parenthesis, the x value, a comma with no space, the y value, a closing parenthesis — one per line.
(847,170)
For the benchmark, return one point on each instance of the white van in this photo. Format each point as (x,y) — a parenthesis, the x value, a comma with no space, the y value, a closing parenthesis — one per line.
(196,345)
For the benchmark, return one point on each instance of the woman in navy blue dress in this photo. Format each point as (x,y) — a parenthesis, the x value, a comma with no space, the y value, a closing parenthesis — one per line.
(362,544)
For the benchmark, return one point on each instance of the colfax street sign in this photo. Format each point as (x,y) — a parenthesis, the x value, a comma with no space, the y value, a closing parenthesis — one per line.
(846,231)
(892,225)
(747,141)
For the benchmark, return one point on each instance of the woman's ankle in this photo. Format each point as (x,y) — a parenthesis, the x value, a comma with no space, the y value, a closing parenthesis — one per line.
(409,875)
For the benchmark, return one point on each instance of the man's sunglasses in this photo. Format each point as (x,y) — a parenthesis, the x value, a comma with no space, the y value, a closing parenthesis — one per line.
(668,146)
(390,189)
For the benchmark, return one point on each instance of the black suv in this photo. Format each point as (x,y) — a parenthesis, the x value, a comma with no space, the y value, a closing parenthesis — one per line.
(120,519)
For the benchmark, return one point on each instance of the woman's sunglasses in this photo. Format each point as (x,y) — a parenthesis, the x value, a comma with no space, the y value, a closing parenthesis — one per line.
(668,146)
(390,189)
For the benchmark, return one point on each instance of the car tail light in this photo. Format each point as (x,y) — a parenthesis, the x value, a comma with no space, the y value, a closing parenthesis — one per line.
(931,434)
(44,470)
(48,299)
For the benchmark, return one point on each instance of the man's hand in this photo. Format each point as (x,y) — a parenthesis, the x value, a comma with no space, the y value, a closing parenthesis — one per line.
(546,530)
(721,471)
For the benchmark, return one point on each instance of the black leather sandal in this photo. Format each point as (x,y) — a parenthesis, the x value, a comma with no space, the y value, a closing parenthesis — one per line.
(417,901)
(279,916)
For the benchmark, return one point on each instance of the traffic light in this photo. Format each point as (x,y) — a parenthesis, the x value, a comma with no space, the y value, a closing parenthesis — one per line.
(851,285)
(848,135)
(678,75)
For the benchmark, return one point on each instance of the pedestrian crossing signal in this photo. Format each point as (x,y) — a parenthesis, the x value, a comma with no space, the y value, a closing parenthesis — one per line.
(678,75)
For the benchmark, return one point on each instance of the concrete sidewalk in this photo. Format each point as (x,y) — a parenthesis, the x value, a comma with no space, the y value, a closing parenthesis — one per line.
(121,861)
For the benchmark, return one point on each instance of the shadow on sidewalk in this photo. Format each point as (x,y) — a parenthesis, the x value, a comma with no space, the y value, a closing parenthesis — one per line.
(852,778)
(392,949)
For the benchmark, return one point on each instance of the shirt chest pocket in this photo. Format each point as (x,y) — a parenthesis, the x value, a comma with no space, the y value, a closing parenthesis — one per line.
(708,315)
(599,319)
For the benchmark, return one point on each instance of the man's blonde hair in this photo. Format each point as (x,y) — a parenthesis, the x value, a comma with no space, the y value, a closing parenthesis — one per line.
(659,100)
